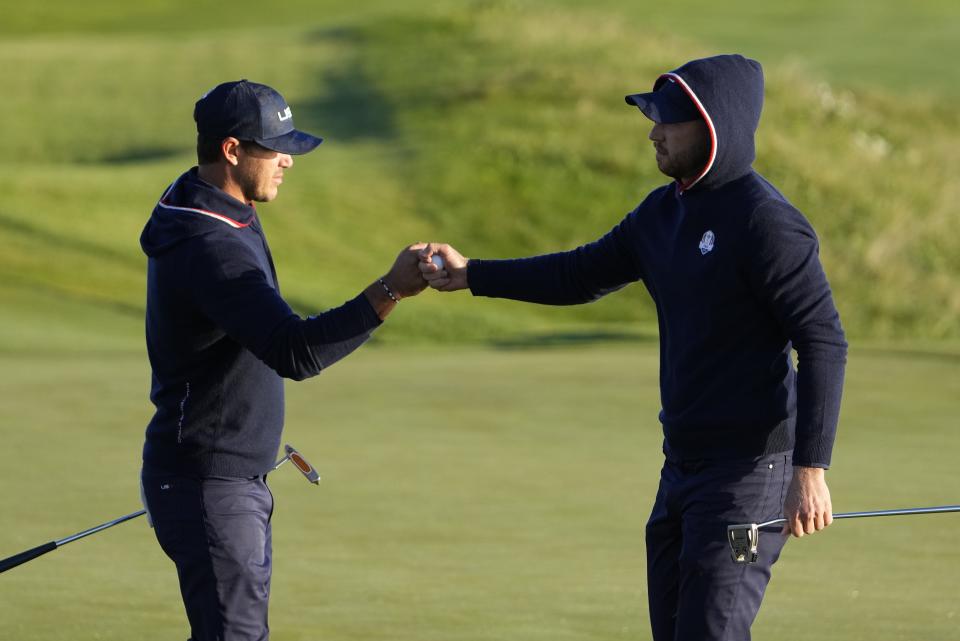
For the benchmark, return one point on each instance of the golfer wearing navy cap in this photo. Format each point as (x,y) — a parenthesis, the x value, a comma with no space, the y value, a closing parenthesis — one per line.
(734,272)
(220,340)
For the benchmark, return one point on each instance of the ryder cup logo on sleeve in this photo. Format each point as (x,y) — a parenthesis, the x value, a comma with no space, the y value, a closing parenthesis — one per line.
(706,243)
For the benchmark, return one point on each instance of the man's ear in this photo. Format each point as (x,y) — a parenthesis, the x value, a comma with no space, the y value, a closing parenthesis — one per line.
(229,148)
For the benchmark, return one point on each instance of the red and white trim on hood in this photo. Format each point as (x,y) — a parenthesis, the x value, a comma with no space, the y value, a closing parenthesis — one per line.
(236,224)
(706,117)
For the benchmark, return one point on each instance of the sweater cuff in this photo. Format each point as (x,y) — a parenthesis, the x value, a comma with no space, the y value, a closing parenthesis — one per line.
(366,316)
(498,278)
(799,463)
(476,280)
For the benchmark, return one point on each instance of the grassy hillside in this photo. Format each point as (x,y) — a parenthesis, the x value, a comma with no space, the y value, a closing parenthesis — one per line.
(887,43)
(496,126)
(896,45)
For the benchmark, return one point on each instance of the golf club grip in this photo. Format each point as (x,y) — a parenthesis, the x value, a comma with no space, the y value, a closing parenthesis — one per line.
(29,555)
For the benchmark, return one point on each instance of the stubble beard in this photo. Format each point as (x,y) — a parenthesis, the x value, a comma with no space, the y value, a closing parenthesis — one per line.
(258,187)
(684,165)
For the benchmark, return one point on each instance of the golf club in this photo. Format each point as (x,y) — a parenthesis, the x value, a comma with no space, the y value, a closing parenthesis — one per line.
(745,538)
(308,471)
(301,463)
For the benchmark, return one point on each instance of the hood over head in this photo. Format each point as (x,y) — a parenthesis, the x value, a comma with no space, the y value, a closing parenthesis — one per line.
(727,91)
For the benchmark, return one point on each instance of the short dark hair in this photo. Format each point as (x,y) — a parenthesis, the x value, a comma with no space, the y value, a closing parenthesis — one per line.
(209,149)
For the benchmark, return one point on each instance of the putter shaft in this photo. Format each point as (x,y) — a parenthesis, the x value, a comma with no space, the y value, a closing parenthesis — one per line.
(744,538)
(308,471)
(94,530)
(861,515)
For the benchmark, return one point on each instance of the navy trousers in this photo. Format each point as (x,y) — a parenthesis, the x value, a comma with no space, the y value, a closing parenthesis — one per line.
(217,532)
(696,592)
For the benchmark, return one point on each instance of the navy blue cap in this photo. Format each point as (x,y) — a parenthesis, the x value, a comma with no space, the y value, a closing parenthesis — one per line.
(250,111)
(667,104)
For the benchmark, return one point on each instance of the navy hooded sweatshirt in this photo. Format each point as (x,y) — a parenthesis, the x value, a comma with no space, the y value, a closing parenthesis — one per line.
(220,338)
(734,271)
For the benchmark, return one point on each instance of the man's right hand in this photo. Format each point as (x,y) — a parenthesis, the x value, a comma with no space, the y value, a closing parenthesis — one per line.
(452,276)
(807,507)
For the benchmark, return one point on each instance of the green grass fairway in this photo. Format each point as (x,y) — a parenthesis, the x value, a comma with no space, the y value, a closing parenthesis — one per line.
(469,495)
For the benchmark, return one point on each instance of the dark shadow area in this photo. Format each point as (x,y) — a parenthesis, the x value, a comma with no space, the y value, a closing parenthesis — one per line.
(336,34)
(51,239)
(142,154)
(945,356)
(571,339)
(351,107)
(54,292)
(303,308)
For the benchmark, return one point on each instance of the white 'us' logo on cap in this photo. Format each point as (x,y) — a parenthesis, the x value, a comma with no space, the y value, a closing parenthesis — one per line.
(706,243)
(286,114)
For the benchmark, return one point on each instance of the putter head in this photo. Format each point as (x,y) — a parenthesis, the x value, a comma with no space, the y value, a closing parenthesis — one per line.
(302,464)
(743,542)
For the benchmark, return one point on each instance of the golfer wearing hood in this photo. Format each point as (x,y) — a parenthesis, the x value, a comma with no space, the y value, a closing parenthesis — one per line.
(733,269)
(221,340)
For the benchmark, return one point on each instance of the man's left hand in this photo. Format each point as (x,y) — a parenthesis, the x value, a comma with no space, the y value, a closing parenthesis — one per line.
(404,277)
(807,506)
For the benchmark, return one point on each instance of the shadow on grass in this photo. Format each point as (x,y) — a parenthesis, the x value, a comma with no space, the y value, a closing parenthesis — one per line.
(49,239)
(571,339)
(134,155)
(305,308)
(948,355)
(351,107)
(55,292)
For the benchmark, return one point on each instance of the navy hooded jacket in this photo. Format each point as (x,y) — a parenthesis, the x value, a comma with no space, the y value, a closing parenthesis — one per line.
(220,337)
(734,271)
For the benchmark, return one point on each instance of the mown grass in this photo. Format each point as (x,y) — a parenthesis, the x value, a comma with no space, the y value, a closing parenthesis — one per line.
(470,494)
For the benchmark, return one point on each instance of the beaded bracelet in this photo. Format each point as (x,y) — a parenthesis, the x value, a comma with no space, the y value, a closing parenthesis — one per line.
(389,293)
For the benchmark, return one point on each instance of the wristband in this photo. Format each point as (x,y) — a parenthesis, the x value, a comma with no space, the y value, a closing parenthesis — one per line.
(389,293)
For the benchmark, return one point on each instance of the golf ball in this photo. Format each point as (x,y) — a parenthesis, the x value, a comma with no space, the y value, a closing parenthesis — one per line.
(437,260)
